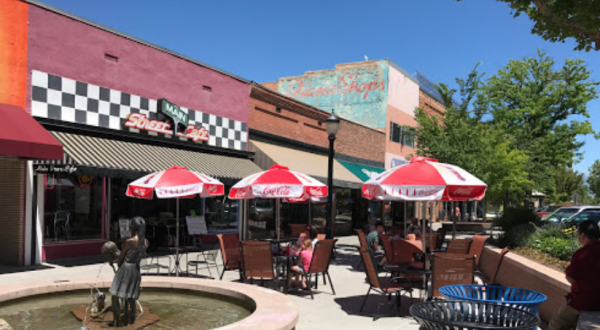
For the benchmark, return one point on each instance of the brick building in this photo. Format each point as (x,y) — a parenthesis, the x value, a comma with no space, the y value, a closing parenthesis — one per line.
(289,132)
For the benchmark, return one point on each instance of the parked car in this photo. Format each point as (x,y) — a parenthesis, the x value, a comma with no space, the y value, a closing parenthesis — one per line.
(566,213)
(547,209)
(588,213)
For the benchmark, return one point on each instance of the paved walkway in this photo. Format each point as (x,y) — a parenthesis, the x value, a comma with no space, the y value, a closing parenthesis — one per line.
(326,311)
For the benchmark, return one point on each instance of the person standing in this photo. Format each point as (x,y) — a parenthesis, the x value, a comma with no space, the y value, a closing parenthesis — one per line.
(583,273)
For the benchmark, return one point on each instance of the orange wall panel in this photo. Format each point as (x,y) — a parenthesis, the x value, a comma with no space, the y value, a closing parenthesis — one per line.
(13,52)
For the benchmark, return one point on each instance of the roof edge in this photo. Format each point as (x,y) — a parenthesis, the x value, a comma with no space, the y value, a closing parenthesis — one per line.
(132,38)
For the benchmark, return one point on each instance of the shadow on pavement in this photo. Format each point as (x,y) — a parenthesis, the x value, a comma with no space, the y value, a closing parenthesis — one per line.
(351,305)
(16,269)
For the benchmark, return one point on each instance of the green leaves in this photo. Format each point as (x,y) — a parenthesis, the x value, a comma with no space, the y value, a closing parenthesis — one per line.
(593,179)
(515,129)
(557,20)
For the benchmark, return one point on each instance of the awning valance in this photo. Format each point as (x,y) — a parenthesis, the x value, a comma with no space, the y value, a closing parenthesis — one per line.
(304,162)
(105,156)
(22,136)
(363,172)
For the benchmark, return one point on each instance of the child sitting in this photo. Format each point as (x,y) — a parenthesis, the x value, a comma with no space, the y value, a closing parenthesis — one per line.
(306,254)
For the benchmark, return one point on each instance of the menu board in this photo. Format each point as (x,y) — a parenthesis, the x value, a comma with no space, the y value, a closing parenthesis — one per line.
(196,225)
(124,228)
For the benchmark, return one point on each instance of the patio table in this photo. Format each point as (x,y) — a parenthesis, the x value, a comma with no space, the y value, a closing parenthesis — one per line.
(286,262)
(406,268)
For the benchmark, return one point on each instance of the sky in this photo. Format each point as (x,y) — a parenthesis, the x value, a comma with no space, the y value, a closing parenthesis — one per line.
(265,40)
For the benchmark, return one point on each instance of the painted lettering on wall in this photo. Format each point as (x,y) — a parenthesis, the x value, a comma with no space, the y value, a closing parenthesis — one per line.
(357,92)
(140,121)
(347,84)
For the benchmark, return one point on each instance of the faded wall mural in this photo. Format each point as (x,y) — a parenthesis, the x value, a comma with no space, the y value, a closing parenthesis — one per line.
(356,91)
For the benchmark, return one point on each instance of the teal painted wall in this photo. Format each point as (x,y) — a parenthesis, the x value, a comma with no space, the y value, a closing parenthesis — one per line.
(357,91)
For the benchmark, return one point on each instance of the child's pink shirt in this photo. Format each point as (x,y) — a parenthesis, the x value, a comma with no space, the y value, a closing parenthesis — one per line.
(305,258)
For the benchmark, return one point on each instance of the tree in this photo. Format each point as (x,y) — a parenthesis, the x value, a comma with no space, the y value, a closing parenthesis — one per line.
(593,179)
(557,20)
(534,103)
(567,182)
(462,138)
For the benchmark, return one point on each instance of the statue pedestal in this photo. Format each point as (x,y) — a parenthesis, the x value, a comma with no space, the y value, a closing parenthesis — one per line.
(102,323)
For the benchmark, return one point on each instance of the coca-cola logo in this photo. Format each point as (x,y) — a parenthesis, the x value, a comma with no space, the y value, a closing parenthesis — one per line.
(316,191)
(212,189)
(276,191)
(463,191)
(241,192)
(139,191)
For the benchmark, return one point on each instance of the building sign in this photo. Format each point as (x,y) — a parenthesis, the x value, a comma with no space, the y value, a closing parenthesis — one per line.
(394,160)
(357,92)
(140,121)
(43,168)
(174,112)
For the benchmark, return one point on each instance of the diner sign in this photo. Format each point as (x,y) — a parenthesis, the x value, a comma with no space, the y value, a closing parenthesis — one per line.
(140,121)
(174,112)
(43,168)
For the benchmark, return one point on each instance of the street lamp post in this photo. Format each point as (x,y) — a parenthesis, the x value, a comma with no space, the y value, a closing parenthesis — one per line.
(331,126)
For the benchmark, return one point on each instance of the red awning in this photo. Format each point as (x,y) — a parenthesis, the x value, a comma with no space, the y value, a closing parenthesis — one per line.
(22,136)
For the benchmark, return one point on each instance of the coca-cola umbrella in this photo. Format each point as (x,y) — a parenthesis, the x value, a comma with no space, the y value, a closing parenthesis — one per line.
(424,179)
(176,182)
(278,182)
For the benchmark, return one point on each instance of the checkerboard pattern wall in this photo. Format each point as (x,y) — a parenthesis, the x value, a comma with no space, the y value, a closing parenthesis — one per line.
(65,99)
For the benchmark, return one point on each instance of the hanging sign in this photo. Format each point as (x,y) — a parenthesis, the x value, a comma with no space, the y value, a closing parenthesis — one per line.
(140,121)
(42,168)
(174,112)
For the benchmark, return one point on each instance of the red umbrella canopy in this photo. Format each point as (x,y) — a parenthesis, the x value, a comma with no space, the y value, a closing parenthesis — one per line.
(277,182)
(424,179)
(175,182)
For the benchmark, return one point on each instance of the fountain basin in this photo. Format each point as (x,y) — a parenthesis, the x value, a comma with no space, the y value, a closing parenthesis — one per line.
(271,310)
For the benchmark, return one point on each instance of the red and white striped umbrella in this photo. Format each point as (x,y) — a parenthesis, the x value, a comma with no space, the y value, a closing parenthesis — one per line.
(424,179)
(175,182)
(277,182)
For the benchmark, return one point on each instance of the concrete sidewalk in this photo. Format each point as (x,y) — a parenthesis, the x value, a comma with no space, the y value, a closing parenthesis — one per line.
(326,311)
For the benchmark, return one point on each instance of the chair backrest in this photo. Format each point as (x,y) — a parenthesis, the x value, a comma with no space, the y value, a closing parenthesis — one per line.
(403,250)
(321,256)
(297,229)
(61,216)
(450,269)
(230,250)
(365,255)
(387,247)
(476,248)
(500,258)
(362,238)
(320,237)
(430,239)
(257,259)
(440,238)
(459,246)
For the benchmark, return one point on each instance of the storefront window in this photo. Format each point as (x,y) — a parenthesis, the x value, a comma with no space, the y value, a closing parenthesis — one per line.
(261,223)
(73,207)
(344,203)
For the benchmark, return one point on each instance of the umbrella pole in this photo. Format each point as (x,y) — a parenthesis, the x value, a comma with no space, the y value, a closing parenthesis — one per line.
(309,213)
(405,214)
(453,221)
(423,236)
(277,218)
(177,241)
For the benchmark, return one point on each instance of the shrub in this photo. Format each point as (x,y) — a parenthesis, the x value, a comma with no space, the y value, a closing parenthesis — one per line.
(516,216)
(561,248)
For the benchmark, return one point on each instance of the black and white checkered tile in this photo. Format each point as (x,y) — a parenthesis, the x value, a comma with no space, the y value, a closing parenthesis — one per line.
(65,99)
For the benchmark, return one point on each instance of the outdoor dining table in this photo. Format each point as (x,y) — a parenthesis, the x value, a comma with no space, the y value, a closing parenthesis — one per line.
(407,268)
(285,271)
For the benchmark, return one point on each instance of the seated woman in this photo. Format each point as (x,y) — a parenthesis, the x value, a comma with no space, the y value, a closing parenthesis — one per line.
(412,239)
(310,234)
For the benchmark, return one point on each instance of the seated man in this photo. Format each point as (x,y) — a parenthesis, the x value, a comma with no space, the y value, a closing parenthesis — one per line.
(375,243)
(584,275)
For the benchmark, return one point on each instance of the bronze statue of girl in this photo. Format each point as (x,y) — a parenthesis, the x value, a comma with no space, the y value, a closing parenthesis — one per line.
(127,280)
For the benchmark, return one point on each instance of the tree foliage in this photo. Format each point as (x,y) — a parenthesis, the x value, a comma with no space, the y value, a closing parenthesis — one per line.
(535,103)
(514,129)
(463,139)
(567,182)
(593,179)
(557,20)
